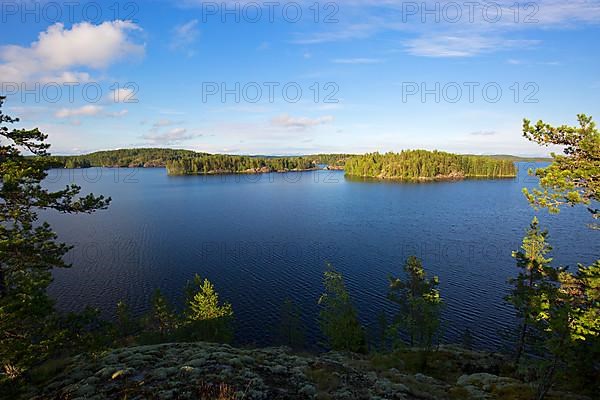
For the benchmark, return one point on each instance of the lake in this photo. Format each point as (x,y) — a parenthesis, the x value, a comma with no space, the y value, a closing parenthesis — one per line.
(264,238)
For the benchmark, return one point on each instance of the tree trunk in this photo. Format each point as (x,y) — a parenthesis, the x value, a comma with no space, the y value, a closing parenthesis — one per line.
(546,382)
(521,344)
(3,289)
(523,334)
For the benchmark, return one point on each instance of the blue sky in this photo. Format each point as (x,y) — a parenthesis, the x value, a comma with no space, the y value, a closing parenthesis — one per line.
(374,75)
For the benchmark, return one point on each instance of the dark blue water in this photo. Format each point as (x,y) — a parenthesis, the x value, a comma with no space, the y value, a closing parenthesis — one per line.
(261,239)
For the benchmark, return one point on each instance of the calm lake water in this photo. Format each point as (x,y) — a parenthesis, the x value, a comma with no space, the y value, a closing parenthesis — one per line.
(262,239)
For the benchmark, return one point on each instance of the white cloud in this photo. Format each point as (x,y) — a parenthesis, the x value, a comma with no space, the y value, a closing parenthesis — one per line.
(123,95)
(66,77)
(58,51)
(300,123)
(90,110)
(85,111)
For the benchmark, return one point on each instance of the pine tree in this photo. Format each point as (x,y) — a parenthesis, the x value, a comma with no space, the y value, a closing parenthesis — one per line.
(205,318)
(126,324)
(529,285)
(419,303)
(382,331)
(570,305)
(163,319)
(29,249)
(570,314)
(291,330)
(572,178)
(203,302)
(338,317)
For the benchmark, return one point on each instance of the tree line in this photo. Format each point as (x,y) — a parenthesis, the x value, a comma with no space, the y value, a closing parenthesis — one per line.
(334,160)
(124,158)
(183,162)
(227,164)
(423,164)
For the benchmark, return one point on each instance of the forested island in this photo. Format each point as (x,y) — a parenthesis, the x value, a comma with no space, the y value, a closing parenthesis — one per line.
(428,165)
(125,158)
(225,164)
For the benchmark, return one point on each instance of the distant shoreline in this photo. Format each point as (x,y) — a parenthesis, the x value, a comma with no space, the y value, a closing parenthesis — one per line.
(406,166)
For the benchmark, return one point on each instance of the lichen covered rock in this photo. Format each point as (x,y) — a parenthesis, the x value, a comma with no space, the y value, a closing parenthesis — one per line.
(213,371)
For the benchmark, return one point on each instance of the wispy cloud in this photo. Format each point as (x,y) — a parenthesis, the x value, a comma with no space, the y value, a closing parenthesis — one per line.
(465,46)
(484,133)
(264,46)
(164,123)
(184,37)
(173,136)
(337,33)
(439,34)
(88,111)
(300,123)
(117,114)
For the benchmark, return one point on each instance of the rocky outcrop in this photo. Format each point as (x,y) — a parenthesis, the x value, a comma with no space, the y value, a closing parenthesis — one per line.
(212,371)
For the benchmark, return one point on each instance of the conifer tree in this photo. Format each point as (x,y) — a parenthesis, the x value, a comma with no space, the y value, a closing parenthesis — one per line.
(529,285)
(205,318)
(291,330)
(29,249)
(126,324)
(338,318)
(570,306)
(419,304)
(162,319)
(570,314)
(203,302)
(572,178)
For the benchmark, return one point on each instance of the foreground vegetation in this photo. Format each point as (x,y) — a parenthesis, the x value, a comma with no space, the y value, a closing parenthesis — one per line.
(54,355)
(428,165)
